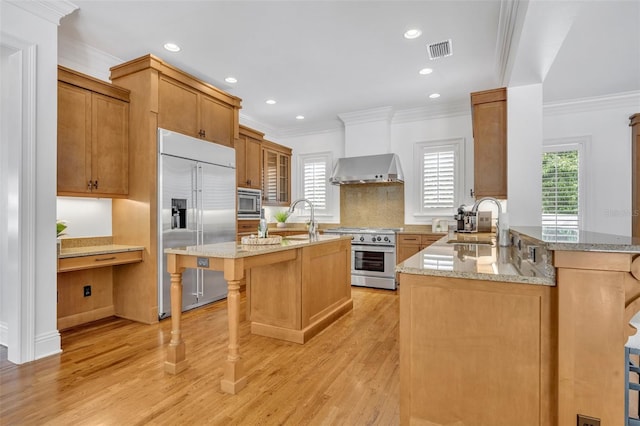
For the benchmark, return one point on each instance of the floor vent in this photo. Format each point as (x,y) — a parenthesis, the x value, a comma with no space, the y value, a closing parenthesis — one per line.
(440,50)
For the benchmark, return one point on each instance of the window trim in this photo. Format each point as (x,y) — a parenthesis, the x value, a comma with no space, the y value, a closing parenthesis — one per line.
(458,145)
(579,144)
(326,156)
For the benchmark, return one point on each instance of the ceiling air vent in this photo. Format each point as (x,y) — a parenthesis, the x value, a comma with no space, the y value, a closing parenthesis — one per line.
(440,50)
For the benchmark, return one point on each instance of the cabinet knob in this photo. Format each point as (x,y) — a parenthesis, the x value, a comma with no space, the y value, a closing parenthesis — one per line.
(95,185)
(471,192)
(201,133)
(90,185)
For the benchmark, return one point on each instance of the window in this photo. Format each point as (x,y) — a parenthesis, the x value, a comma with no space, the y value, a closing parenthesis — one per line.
(561,192)
(315,180)
(440,176)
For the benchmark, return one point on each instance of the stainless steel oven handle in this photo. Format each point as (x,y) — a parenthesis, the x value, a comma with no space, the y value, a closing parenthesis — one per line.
(377,249)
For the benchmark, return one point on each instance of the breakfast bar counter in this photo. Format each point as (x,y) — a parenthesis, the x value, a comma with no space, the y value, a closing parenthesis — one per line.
(298,287)
(540,325)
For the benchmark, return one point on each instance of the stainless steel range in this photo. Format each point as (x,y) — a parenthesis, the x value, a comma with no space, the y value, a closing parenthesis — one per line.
(373,256)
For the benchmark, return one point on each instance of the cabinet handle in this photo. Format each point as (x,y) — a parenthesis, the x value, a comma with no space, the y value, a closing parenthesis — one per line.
(104,259)
(248,181)
(95,185)
(201,133)
(471,192)
(90,185)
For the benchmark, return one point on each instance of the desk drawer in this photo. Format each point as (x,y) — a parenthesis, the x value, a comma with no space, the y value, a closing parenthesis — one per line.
(99,260)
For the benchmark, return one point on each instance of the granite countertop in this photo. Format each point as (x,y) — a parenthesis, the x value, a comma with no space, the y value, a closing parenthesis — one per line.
(471,260)
(581,241)
(233,250)
(96,250)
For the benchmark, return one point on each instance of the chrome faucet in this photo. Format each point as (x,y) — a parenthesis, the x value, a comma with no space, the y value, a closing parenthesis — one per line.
(474,209)
(502,232)
(313,227)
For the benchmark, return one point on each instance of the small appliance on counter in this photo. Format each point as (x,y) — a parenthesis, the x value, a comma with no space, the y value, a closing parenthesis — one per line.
(469,221)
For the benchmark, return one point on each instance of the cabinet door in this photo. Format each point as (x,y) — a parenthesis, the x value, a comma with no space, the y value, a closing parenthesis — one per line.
(405,251)
(276,178)
(216,121)
(490,144)
(269,177)
(284,185)
(74,139)
(177,107)
(253,163)
(110,145)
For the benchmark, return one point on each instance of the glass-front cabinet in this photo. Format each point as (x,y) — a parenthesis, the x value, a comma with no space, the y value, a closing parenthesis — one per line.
(276,174)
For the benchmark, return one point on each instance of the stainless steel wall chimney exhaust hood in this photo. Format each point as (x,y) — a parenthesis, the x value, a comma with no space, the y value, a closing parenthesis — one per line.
(367,169)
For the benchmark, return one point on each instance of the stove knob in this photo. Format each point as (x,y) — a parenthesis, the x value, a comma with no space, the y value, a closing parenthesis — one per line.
(386,239)
(373,239)
(361,239)
(379,239)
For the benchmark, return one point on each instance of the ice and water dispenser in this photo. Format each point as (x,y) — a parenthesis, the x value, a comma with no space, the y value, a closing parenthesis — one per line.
(178,213)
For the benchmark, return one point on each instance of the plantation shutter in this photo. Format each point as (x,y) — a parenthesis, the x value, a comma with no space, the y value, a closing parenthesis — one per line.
(315,181)
(560,193)
(438,178)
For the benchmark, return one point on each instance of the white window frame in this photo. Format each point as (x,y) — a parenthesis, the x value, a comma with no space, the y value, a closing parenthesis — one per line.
(455,144)
(327,157)
(579,144)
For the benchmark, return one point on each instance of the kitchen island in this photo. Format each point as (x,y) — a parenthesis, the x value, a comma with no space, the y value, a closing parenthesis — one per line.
(298,288)
(531,334)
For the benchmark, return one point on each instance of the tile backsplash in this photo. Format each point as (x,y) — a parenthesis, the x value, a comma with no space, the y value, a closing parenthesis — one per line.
(373,205)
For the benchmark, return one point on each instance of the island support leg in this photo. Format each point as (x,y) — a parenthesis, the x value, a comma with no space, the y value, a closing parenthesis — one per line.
(234,376)
(176,354)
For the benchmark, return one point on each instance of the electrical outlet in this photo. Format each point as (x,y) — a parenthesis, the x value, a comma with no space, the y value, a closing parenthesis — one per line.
(587,421)
(87,290)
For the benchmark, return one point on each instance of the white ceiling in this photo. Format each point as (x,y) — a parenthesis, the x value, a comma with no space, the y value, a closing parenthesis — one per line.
(323,58)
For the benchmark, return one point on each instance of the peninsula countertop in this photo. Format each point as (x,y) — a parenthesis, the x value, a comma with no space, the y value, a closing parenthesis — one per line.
(233,250)
(580,240)
(478,258)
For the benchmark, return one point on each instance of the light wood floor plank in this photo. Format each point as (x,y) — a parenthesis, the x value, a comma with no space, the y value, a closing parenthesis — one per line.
(111,372)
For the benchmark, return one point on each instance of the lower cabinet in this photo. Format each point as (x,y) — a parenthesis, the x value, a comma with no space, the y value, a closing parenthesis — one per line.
(410,244)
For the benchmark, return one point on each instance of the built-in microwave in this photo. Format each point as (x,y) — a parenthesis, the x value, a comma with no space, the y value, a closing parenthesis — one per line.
(249,203)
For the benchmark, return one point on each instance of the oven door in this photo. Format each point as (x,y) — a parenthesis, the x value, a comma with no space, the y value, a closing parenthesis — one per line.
(373,261)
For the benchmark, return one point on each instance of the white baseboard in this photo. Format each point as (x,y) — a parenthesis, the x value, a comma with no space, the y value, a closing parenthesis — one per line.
(4,334)
(48,344)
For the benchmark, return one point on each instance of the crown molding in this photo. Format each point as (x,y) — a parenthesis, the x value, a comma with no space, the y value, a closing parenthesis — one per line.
(510,22)
(315,129)
(432,112)
(629,100)
(367,115)
(52,11)
(85,58)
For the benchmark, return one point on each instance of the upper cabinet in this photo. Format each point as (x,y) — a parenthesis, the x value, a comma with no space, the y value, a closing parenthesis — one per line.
(186,110)
(276,174)
(93,136)
(249,158)
(489,114)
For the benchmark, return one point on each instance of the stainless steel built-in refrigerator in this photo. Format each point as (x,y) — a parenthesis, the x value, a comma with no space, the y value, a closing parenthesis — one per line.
(196,205)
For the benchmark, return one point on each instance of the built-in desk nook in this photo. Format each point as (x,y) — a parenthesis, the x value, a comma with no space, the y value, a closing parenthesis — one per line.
(85,278)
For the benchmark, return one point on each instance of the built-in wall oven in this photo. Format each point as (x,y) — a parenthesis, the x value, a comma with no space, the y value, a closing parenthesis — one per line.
(249,203)
(373,256)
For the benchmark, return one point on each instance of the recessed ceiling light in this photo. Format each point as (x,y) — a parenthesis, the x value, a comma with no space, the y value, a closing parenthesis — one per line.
(425,71)
(299,117)
(231,80)
(172,47)
(270,101)
(434,95)
(412,33)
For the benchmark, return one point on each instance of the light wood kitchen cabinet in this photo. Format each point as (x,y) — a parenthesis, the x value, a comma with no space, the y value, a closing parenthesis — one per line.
(160,94)
(410,244)
(93,137)
(276,174)
(489,115)
(635,179)
(185,109)
(249,158)
(246,228)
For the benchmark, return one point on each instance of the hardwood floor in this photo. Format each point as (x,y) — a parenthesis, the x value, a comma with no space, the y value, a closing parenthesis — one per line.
(111,373)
